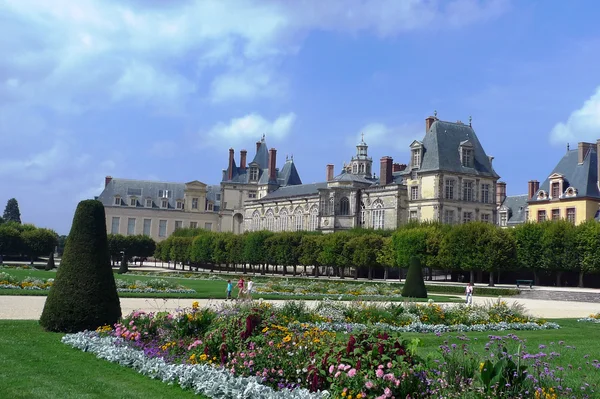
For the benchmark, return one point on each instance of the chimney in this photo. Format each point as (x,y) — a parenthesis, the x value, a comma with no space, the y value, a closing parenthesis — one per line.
(532,188)
(428,122)
(398,167)
(257,146)
(330,171)
(500,192)
(243,154)
(598,160)
(385,171)
(230,167)
(108,179)
(272,163)
(582,151)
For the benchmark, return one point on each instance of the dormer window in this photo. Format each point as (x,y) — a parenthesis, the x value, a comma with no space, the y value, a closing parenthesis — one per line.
(180,204)
(132,201)
(571,192)
(148,203)
(542,195)
(117,200)
(165,193)
(164,203)
(555,190)
(466,154)
(253,173)
(416,158)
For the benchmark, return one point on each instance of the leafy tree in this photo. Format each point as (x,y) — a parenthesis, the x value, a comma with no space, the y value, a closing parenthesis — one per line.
(180,249)
(254,252)
(10,240)
(219,249)
(528,240)
(587,241)
(11,212)
(386,255)
(84,294)
(61,244)
(310,248)
(333,253)
(414,286)
(38,242)
(117,244)
(559,249)
(1,220)
(202,247)
(410,242)
(365,249)
(283,249)
(235,248)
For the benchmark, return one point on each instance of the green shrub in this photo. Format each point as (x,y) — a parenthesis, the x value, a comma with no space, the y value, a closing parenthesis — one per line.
(84,294)
(50,264)
(414,286)
(481,291)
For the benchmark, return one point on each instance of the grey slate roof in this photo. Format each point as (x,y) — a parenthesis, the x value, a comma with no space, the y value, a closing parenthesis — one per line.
(344,176)
(285,177)
(144,189)
(294,191)
(517,206)
(441,150)
(582,177)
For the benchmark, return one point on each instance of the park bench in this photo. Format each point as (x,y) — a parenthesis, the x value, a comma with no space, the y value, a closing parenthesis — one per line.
(525,282)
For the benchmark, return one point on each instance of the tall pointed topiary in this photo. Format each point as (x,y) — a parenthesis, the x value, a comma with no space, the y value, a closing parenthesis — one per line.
(50,264)
(414,286)
(84,294)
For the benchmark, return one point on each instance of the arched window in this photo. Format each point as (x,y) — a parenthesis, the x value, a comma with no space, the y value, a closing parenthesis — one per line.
(361,168)
(270,221)
(298,220)
(255,221)
(331,209)
(361,216)
(314,218)
(378,215)
(283,218)
(355,168)
(344,206)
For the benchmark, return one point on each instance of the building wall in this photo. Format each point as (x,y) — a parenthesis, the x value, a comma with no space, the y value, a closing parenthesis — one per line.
(585,209)
(209,220)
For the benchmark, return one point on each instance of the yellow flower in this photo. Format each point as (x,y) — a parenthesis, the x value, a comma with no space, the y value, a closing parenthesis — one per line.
(203,357)
(344,394)
(287,338)
(481,366)
(195,305)
(358,396)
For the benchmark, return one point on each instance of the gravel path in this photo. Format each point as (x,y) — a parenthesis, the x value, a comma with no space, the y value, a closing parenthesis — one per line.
(30,307)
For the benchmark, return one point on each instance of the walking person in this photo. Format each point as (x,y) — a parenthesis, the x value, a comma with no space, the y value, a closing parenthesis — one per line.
(240,286)
(229,288)
(250,286)
(469,294)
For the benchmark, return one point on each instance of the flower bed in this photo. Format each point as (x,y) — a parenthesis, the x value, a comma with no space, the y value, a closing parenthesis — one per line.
(8,281)
(593,318)
(255,350)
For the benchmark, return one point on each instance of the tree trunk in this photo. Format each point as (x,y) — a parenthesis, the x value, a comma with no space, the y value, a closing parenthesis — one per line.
(342,272)
(284,267)
(245,268)
(472,277)
(316,269)
(305,273)
(430,271)
(31,262)
(558,279)
(386,271)
(370,272)
(581,273)
(491,279)
(479,276)
(295,266)
(356,273)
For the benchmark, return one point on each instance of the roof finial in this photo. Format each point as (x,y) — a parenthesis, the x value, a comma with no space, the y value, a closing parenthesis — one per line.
(568,147)
(470,120)
(286,157)
(435,113)
(263,137)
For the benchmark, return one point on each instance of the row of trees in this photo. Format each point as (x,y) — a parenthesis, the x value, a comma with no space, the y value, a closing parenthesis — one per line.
(125,248)
(540,249)
(26,240)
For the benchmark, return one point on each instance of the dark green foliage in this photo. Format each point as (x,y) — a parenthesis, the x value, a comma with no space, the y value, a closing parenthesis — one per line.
(84,294)
(38,242)
(414,286)
(11,212)
(50,264)
(123,268)
(10,240)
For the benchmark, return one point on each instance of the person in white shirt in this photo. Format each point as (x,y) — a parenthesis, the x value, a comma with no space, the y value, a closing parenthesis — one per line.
(469,294)
(250,286)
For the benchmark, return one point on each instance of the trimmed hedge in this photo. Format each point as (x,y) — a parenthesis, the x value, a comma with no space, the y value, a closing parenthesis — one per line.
(84,294)
(414,286)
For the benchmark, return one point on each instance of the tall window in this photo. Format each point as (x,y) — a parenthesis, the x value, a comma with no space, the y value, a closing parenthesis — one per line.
(414,193)
(314,218)
(361,220)
(361,168)
(162,228)
(344,206)
(503,219)
(253,173)
(448,216)
(355,168)
(541,216)
(114,228)
(468,191)
(485,217)
(331,207)
(180,205)
(164,203)
(378,215)
(449,187)
(413,215)
(283,217)
(194,203)
(278,223)
(117,200)
(193,225)
(130,226)
(416,158)
(132,201)
(555,214)
(485,193)
(555,190)
(208,226)
(165,193)
(147,226)
(467,157)
(298,220)
(148,203)
(571,215)
(270,220)
(178,224)
(255,221)
(467,217)
(251,194)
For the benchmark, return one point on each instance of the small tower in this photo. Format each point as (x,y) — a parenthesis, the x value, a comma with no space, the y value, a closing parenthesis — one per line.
(361,163)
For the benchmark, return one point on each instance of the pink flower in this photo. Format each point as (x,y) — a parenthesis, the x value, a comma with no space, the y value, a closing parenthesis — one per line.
(337,374)
(347,367)
(387,392)
(368,385)
(341,366)
(352,373)
(380,366)
(388,377)
(280,372)
(379,373)
(242,355)
(331,368)
(251,363)
(389,365)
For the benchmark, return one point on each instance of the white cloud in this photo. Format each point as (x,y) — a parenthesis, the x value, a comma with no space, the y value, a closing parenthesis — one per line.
(246,84)
(382,137)
(582,125)
(251,126)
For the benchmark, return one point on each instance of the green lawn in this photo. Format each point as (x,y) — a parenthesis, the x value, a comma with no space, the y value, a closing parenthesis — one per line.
(205,289)
(35,364)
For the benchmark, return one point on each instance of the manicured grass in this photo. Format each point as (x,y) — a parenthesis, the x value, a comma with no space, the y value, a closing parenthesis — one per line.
(35,364)
(205,289)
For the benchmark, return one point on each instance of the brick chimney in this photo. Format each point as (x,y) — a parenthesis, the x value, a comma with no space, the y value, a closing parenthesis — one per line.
(108,179)
(598,160)
(533,187)
(428,122)
(272,164)
(330,171)
(398,167)
(500,192)
(243,154)
(230,167)
(385,171)
(582,151)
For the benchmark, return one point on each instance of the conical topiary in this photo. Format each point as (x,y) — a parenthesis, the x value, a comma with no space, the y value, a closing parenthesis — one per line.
(123,268)
(84,294)
(414,286)
(50,264)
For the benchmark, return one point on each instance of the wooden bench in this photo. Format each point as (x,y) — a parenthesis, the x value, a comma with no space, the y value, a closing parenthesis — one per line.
(525,282)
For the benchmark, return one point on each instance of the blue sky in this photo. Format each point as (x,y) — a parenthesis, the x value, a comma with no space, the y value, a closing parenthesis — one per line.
(161,90)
